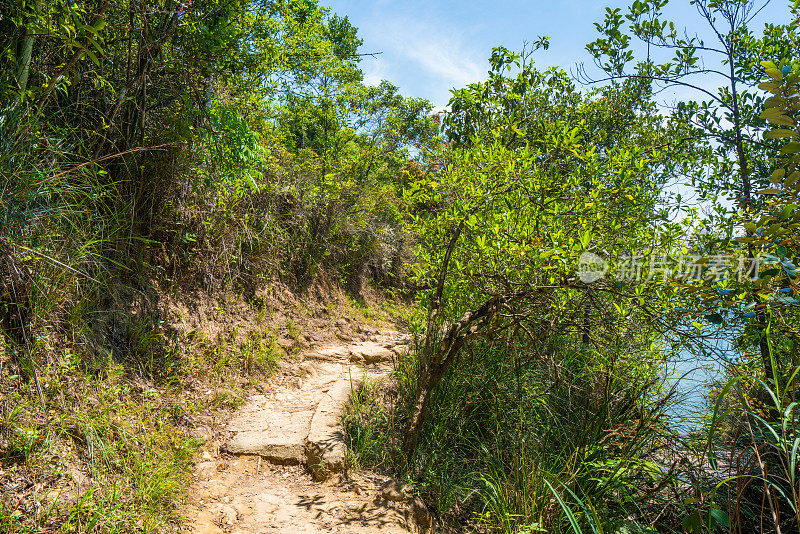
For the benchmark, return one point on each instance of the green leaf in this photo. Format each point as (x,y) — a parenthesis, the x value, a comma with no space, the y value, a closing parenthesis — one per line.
(769,86)
(791,148)
(781,132)
(720,518)
(775,74)
(788,210)
(586,239)
(771,112)
(92,56)
(570,516)
(781,120)
(692,523)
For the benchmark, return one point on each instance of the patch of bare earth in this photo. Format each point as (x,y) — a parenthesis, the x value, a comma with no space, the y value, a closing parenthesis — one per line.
(281,467)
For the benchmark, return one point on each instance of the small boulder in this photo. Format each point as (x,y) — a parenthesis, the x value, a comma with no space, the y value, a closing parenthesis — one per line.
(420,512)
(375,354)
(315,462)
(307,368)
(393,490)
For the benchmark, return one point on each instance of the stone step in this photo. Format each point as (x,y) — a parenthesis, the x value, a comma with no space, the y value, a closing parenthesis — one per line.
(291,426)
(286,449)
(325,449)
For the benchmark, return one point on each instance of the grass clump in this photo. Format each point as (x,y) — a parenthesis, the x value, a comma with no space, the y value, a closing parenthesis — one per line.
(513,429)
(114,458)
(370,429)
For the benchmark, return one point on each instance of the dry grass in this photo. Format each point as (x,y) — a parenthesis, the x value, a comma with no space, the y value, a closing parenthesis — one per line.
(115,448)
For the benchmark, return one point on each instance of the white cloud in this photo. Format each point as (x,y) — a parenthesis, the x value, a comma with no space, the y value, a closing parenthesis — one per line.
(375,70)
(418,52)
(438,50)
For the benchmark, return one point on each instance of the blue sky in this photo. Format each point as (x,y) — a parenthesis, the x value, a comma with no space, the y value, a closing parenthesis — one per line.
(430,47)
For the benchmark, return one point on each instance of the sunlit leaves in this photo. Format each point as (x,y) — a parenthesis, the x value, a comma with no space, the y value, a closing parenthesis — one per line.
(539,173)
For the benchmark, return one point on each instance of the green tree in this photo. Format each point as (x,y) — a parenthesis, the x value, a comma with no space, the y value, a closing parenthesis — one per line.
(516,202)
(726,121)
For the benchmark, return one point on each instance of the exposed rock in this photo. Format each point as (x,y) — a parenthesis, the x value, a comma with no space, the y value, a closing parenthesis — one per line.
(308,368)
(277,449)
(421,514)
(315,461)
(300,422)
(395,343)
(273,430)
(373,353)
(394,490)
(325,449)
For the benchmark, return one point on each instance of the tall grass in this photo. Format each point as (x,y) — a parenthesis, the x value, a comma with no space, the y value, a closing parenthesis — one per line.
(527,441)
(754,447)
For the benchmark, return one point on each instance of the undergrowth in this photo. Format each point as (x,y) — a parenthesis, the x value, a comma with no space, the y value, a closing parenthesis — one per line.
(370,429)
(130,444)
(114,449)
(511,430)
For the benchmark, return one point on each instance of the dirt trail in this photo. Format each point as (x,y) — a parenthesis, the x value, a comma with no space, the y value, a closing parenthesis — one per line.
(282,466)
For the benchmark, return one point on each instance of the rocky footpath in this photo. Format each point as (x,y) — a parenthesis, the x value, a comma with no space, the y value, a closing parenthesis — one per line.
(282,467)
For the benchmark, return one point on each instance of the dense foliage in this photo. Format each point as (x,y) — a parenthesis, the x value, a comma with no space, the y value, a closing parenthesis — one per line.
(230,142)
(157,147)
(160,146)
(537,399)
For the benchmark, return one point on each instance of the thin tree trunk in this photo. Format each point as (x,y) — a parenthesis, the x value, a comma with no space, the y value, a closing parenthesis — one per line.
(24,62)
(457,334)
(744,174)
(424,387)
(25,55)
